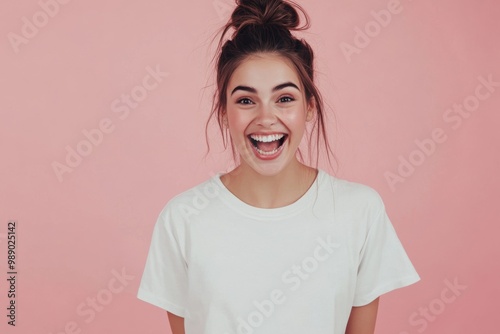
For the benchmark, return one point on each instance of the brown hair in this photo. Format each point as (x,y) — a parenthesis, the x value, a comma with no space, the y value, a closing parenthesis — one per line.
(263,26)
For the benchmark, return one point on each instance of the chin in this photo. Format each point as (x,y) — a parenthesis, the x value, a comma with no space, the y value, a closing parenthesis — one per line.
(269,168)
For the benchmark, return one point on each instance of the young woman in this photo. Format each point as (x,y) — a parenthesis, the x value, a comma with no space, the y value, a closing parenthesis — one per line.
(273,246)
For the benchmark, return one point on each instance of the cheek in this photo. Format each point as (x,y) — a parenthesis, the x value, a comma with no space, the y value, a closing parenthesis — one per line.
(296,119)
(237,126)
(238,120)
(234,123)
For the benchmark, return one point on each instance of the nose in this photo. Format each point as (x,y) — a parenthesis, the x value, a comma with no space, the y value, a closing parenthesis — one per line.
(266,115)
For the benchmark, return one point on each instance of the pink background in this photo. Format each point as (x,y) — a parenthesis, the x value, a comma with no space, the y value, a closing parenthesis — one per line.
(77,231)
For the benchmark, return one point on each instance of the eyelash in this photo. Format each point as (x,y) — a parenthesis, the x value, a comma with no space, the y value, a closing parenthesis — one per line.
(283,97)
(288,97)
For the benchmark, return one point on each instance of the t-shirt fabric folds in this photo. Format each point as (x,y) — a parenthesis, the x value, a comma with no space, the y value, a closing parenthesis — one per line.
(231,268)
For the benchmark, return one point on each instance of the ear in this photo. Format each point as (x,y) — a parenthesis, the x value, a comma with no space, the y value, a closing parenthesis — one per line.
(311,109)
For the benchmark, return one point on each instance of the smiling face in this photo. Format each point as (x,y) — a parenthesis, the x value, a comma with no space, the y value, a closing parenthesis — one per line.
(266,112)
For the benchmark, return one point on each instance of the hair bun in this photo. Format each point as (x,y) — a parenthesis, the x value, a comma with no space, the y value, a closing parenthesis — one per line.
(266,12)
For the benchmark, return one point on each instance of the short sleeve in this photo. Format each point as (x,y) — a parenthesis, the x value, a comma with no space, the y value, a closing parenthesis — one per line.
(164,280)
(384,265)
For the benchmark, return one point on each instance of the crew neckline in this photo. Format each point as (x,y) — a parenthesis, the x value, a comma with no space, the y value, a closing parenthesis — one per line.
(251,211)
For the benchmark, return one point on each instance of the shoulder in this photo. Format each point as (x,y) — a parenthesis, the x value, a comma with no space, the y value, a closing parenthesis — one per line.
(191,201)
(355,194)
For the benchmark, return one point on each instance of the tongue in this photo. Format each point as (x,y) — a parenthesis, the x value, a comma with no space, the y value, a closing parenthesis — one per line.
(268,147)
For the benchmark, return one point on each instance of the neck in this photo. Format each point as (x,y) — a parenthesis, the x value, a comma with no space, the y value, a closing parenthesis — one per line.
(270,191)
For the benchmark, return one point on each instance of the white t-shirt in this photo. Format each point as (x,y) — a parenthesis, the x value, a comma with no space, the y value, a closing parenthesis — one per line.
(230,268)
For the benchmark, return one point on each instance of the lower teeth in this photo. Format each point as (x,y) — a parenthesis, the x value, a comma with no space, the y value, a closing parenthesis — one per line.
(267,153)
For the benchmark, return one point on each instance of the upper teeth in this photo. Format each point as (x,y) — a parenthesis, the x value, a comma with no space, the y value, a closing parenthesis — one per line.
(267,139)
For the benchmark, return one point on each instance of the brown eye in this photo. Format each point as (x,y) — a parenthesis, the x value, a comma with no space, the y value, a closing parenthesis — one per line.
(286,99)
(244,101)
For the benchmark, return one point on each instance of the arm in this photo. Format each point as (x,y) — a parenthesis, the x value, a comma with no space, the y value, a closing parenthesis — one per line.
(176,323)
(362,319)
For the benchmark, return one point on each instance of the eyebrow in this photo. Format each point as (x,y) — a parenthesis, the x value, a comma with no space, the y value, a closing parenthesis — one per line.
(253,90)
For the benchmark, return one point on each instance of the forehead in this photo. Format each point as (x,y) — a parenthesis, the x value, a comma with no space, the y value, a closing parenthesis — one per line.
(264,71)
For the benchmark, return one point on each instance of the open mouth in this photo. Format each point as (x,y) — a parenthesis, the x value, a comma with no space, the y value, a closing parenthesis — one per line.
(267,144)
